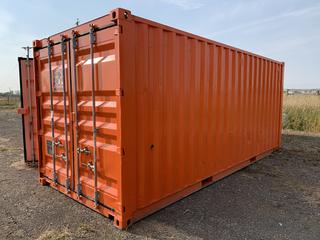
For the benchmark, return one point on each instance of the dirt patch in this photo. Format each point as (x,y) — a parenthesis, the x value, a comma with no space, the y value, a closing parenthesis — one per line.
(4,140)
(63,234)
(20,165)
(84,231)
(262,169)
(275,198)
(311,195)
(8,149)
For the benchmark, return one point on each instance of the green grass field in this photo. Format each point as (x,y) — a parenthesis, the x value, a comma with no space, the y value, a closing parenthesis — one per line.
(301,112)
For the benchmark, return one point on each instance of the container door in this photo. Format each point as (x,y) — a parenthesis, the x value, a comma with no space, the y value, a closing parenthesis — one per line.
(96,117)
(28,110)
(55,87)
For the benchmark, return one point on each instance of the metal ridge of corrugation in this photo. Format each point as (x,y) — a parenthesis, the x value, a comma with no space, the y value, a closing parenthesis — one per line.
(133,115)
(204,39)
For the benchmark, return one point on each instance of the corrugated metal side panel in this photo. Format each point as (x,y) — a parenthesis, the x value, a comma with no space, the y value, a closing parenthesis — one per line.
(201,108)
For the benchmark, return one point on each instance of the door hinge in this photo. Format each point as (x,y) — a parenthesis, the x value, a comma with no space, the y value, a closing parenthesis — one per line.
(122,152)
(119,92)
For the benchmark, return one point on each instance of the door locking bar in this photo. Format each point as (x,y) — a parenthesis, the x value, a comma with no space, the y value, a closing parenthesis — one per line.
(94,129)
(74,47)
(55,179)
(70,109)
(63,50)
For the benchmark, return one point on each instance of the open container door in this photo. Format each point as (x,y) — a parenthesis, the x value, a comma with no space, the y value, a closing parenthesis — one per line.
(28,111)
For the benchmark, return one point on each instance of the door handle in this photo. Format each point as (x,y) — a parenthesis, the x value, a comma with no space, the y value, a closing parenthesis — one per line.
(58,143)
(62,156)
(84,150)
(88,165)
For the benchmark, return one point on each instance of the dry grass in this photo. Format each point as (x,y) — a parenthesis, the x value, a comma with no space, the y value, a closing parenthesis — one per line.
(82,232)
(63,234)
(12,102)
(301,112)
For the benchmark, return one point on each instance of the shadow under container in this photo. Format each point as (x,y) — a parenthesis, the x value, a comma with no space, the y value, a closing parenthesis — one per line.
(134,115)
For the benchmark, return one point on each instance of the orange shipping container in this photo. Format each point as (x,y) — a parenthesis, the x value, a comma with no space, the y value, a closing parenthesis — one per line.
(134,115)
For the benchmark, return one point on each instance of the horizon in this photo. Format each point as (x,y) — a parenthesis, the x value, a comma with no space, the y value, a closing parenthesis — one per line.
(288,31)
(14,91)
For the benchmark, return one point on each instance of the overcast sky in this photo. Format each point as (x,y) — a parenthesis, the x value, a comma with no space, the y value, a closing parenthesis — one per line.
(286,30)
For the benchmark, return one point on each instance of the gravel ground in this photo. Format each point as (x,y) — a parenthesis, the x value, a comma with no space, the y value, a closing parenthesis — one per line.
(275,198)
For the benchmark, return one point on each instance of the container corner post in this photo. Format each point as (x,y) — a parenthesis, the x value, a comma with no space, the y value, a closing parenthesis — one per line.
(120,13)
(36,44)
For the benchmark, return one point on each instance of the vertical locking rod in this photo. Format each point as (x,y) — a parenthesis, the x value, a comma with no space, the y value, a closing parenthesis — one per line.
(74,46)
(70,119)
(66,144)
(55,179)
(94,129)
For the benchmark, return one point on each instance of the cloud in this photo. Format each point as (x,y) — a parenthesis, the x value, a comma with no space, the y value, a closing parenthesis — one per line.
(185,4)
(281,47)
(292,13)
(12,37)
(6,19)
